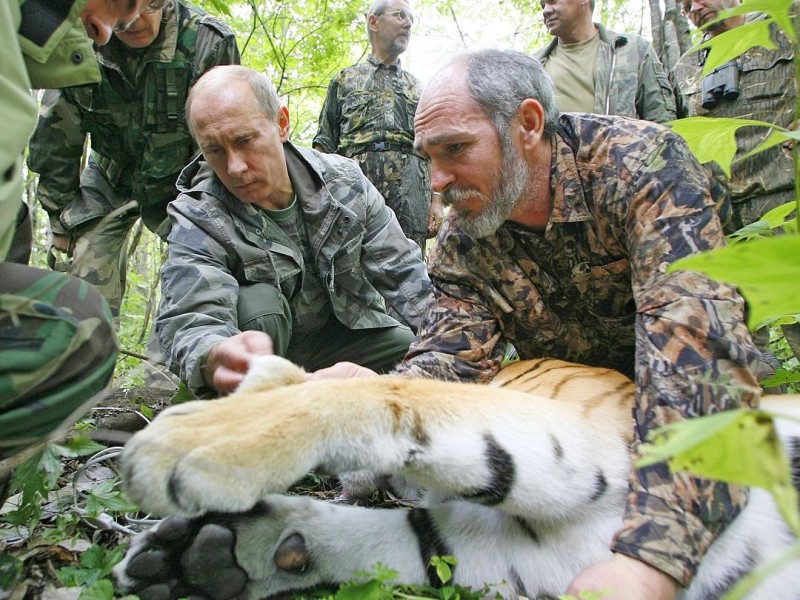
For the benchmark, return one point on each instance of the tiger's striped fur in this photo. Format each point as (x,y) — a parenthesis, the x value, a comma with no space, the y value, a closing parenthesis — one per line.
(525,484)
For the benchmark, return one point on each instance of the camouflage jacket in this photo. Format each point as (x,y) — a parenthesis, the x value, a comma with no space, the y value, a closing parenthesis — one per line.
(629,80)
(628,198)
(218,243)
(373,103)
(135,116)
(367,103)
(41,47)
(767,92)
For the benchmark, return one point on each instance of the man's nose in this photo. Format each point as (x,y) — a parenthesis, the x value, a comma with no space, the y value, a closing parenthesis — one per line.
(98,29)
(236,164)
(440,178)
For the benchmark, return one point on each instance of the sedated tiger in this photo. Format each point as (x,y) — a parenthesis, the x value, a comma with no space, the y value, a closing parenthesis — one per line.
(525,483)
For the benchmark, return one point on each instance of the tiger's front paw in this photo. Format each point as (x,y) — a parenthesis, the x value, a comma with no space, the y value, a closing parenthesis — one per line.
(194,458)
(182,557)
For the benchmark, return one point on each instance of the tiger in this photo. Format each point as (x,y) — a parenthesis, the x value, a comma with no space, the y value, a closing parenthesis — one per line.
(524,481)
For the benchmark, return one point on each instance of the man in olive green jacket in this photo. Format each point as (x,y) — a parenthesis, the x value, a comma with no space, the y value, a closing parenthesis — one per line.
(599,71)
(57,344)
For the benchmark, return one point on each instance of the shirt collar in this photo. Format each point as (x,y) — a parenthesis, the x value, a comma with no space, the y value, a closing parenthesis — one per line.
(379,65)
(566,188)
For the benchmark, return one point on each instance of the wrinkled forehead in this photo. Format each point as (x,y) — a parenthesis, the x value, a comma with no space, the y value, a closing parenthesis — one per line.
(447,114)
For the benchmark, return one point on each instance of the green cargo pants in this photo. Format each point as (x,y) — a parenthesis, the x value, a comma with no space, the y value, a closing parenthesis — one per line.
(262,307)
(57,350)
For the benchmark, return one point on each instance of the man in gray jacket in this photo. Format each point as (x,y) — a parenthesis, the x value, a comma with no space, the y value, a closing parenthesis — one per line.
(278,249)
(599,71)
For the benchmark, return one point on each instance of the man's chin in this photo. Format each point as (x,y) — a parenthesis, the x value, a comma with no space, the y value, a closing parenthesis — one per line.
(477,228)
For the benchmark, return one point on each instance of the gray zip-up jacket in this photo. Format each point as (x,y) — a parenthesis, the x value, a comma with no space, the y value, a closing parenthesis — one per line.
(630,80)
(218,243)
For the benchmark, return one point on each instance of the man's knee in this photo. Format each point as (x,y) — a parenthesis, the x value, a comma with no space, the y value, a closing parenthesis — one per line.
(57,350)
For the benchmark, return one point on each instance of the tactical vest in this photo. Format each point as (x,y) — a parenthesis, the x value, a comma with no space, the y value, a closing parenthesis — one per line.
(138,131)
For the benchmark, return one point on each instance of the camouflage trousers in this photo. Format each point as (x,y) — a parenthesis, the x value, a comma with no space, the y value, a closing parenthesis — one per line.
(57,350)
(261,307)
(99,253)
(404,182)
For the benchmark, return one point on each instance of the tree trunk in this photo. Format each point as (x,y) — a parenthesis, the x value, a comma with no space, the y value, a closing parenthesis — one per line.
(670,29)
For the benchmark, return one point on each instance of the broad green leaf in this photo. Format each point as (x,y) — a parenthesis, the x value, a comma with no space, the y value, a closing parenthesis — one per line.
(370,590)
(766,271)
(443,570)
(77,446)
(777,10)
(730,44)
(736,446)
(781,377)
(777,217)
(713,139)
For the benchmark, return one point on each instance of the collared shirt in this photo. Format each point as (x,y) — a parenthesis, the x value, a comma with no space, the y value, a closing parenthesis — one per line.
(628,199)
(368,102)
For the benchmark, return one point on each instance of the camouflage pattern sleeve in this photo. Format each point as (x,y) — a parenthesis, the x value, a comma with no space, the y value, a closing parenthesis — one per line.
(55,151)
(694,357)
(327,138)
(392,262)
(198,290)
(460,338)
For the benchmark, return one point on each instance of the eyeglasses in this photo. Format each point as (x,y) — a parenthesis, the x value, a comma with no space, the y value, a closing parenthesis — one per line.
(402,15)
(151,7)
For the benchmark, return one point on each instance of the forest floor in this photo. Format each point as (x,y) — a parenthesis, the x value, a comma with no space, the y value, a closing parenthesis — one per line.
(60,538)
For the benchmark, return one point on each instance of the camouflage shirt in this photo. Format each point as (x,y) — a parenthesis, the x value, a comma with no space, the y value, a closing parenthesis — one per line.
(372,103)
(629,80)
(628,198)
(218,243)
(135,116)
(767,92)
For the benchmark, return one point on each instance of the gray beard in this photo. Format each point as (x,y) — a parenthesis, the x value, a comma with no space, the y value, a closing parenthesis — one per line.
(505,196)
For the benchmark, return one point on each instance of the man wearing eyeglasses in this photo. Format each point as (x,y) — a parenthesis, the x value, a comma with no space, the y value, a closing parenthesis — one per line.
(368,115)
(139,140)
(57,345)
(599,71)
(760,85)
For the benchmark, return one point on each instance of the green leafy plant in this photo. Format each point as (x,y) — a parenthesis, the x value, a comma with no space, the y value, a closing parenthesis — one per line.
(95,565)
(379,584)
(37,476)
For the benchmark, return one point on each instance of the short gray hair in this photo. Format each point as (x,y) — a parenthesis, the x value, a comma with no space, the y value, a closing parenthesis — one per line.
(266,97)
(499,80)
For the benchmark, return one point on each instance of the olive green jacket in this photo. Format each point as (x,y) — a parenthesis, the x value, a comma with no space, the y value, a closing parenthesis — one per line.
(40,48)
(629,80)
(135,115)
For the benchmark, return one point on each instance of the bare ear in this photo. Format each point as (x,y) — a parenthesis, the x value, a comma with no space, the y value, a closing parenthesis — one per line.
(531,122)
(283,123)
(372,22)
